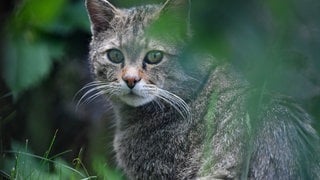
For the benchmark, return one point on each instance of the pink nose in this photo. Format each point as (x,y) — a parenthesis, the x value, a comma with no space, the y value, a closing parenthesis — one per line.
(131,80)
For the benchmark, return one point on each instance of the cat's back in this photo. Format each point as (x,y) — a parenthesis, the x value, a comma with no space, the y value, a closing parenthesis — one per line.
(285,145)
(250,133)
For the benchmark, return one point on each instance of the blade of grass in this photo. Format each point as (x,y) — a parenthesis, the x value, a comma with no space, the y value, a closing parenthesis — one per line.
(46,154)
(60,154)
(4,175)
(13,172)
(49,160)
(78,162)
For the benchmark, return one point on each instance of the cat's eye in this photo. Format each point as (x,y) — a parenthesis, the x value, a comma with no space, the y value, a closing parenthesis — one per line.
(153,57)
(115,56)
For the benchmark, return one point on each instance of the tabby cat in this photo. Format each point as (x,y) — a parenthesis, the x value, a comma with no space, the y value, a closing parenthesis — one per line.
(183,115)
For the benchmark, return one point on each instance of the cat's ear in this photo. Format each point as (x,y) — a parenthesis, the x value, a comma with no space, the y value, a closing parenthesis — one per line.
(101,13)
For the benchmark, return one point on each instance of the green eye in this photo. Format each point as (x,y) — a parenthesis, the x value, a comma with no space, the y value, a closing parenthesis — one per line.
(115,56)
(153,57)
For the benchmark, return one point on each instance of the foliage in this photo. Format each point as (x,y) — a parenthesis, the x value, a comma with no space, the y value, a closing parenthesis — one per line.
(26,165)
(21,163)
(32,44)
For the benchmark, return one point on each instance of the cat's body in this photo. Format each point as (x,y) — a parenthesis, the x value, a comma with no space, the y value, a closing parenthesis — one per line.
(182,117)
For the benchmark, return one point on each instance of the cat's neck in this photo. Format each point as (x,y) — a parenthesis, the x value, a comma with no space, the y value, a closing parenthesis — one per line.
(150,131)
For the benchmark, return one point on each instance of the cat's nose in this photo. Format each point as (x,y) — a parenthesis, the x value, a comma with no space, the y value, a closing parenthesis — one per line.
(131,80)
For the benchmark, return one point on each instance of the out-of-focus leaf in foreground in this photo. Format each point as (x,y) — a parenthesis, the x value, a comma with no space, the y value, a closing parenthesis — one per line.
(35,39)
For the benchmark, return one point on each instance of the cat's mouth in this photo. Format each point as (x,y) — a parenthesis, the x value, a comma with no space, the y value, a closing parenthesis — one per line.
(133,95)
(135,100)
(137,96)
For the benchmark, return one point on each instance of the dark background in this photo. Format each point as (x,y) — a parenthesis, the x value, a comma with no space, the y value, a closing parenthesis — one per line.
(44,46)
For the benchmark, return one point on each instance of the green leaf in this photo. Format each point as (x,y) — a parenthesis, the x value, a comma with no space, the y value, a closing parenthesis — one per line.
(28,61)
(39,13)
(73,17)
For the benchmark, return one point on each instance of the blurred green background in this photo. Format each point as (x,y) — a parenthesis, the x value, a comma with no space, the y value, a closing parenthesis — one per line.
(44,46)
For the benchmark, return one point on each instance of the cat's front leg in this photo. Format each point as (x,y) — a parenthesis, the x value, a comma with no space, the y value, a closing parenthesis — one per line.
(225,149)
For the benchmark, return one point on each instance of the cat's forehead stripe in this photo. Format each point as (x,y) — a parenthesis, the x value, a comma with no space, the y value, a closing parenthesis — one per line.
(137,18)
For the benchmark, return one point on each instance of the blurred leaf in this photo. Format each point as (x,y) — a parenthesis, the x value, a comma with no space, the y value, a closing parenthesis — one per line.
(38,12)
(282,10)
(74,16)
(29,54)
(28,61)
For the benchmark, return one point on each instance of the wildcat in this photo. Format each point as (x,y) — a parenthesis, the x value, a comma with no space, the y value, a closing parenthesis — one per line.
(183,115)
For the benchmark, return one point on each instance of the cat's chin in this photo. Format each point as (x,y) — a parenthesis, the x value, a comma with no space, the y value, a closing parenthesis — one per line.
(135,100)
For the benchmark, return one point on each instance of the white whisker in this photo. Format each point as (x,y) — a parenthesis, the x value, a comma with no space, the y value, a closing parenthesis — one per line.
(92,97)
(159,104)
(89,85)
(177,103)
(173,100)
(83,98)
(95,89)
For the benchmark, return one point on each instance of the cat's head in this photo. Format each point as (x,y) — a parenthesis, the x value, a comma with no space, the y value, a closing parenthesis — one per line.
(136,53)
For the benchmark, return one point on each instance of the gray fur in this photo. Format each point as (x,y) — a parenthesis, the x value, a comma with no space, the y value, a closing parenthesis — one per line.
(208,123)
